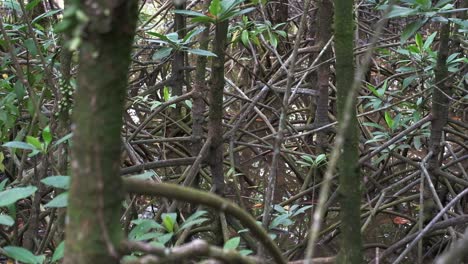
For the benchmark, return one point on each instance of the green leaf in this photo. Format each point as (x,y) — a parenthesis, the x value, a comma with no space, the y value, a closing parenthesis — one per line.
(411,29)
(201,52)
(203,19)
(400,11)
(189,13)
(47,135)
(419,42)
(169,221)
(215,8)
(194,219)
(19,145)
(281,220)
(245,37)
(6,220)
(173,37)
(195,216)
(232,243)
(166,94)
(429,41)
(193,222)
(31,46)
(46,14)
(61,182)
(144,176)
(408,80)
(63,139)
(308,158)
(142,226)
(12,195)
(30,6)
(149,236)
(165,238)
(232,14)
(417,142)
(3,183)
(58,253)
(245,252)
(373,125)
(279,209)
(389,120)
(2,166)
(192,34)
(302,210)
(273,41)
(59,201)
(162,53)
(34,142)
(320,158)
(373,90)
(23,255)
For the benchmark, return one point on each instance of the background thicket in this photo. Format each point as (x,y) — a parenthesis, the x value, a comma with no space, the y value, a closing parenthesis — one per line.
(227,131)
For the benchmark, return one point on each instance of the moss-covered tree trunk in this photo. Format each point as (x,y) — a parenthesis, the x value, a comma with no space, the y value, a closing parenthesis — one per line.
(215,129)
(350,193)
(93,229)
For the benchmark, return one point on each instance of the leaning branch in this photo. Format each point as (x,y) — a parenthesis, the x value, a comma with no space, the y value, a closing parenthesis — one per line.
(195,196)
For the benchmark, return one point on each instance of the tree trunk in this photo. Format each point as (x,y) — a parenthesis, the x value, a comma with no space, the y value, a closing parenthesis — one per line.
(215,126)
(348,166)
(93,229)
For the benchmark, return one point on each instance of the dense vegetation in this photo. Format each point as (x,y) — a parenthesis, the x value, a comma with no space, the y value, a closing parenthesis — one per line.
(227,131)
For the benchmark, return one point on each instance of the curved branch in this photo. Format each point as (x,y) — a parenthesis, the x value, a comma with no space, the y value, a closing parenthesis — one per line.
(195,196)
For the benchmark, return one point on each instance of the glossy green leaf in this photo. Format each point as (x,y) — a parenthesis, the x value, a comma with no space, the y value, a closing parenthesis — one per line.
(47,135)
(215,8)
(58,253)
(162,53)
(169,221)
(165,238)
(61,182)
(188,13)
(429,41)
(19,145)
(389,120)
(203,19)
(143,226)
(245,37)
(232,243)
(400,11)
(6,220)
(63,139)
(34,141)
(245,252)
(3,183)
(201,52)
(144,176)
(59,201)
(419,42)
(31,46)
(166,94)
(411,29)
(23,255)
(12,195)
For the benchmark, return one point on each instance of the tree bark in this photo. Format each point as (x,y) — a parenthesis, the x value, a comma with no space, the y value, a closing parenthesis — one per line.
(215,129)
(348,166)
(93,229)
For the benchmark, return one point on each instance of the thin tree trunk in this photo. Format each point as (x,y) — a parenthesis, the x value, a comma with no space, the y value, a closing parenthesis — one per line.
(348,166)
(324,33)
(199,92)
(215,130)
(439,110)
(93,229)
